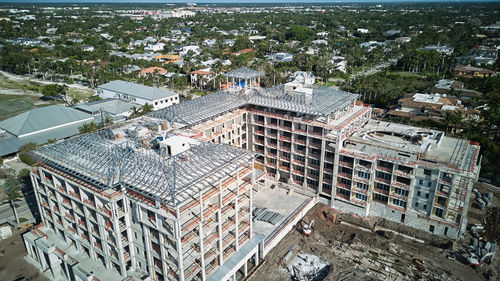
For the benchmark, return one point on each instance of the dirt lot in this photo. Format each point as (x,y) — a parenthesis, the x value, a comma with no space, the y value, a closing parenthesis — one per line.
(12,262)
(358,253)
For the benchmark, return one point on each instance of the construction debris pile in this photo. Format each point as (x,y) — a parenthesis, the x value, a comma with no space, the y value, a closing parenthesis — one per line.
(480,251)
(484,199)
(306,267)
(262,214)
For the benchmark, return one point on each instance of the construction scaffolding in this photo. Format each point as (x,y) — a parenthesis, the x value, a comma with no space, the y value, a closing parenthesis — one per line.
(171,180)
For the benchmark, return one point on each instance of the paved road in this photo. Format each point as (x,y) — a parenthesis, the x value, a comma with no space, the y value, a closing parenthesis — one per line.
(376,68)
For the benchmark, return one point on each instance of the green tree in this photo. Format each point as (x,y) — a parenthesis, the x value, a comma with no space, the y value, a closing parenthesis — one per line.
(12,188)
(87,128)
(24,153)
(146,108)
(53,90)
(300,33)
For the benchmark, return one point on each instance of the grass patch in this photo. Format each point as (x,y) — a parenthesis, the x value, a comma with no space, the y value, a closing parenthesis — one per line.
(403,74)
(21,220)
(79,94)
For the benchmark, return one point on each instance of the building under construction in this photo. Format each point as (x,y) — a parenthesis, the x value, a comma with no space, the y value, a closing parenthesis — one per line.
(171,196)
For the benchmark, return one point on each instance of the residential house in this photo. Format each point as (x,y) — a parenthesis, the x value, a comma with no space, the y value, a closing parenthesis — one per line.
(471,71)
(201,77)
(302,77)
(280,57)
(339,63)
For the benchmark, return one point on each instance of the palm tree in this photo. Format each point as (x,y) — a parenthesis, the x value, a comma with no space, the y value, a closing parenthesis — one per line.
(146,108)
(135,112)
(13,187)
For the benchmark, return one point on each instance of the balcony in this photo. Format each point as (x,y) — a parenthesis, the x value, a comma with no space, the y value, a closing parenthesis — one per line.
(382,180)
(284,168)
(284,158)
(402,173)
(343,196)
(286,128)
(299,141)
(257,141)
(272,135)
(384,169)
(385,192)
(315,145)
(313,176)
(315,155)
(258,122)
(401,185)
(344,185)
(272,145)
(345,175)
(259,132)
(74,195)
(285,148)
(298,172)
(346,164)
(298,162)
(315,133)
(283,138)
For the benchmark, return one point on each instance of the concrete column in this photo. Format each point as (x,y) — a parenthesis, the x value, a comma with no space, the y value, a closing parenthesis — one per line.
(178,230)
(219,226)
(336,165)
(256,258)
(236,211)
(202,258)
(250,216)
(234,276)
(245,269)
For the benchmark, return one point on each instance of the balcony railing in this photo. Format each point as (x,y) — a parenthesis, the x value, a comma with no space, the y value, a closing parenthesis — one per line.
(346,164)
(345,175)
(386,181)
(384,169)
(386,192)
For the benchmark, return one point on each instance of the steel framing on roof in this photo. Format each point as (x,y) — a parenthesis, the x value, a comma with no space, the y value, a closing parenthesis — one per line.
(171,180)
(200,109)
(322,101)
(243,73)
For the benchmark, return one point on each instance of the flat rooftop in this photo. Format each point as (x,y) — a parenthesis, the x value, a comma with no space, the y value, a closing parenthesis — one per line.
(409,143)
(276,200)
(129,155)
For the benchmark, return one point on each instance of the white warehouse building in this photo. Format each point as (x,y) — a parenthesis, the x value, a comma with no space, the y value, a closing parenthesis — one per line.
(137,93)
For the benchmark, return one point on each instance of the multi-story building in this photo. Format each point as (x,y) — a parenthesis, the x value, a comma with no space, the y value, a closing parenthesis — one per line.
(169,196)
(112,204)
(312,138)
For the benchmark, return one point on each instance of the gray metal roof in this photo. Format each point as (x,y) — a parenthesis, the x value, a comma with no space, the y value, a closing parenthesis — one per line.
(243,73)
(10,144)
(137,90)
(201,109)
(172,180)
(112,106)
(43,118)
(323,101)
